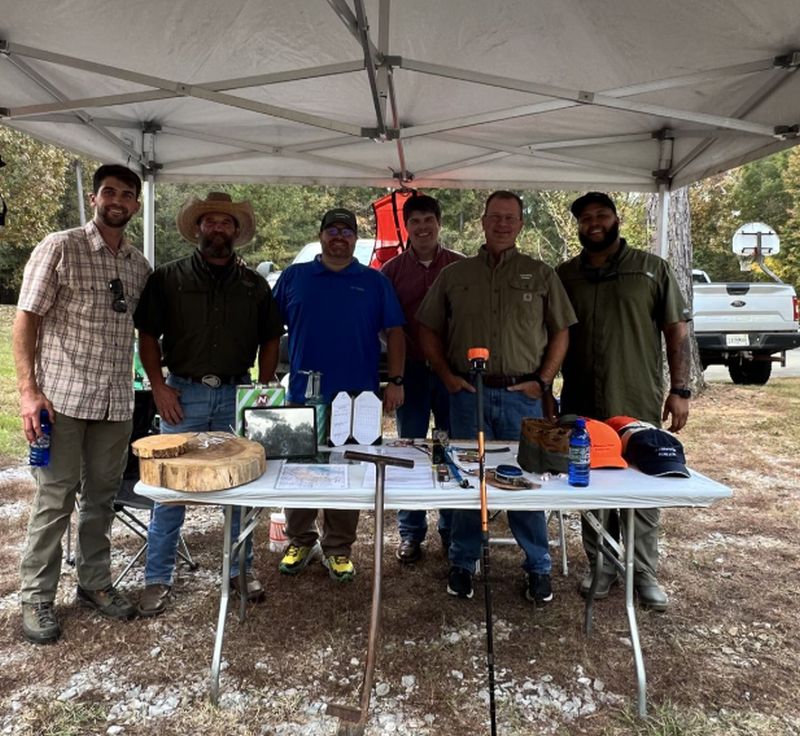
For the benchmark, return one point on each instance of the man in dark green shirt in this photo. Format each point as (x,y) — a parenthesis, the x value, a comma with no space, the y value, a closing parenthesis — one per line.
(625,299)
(213,315)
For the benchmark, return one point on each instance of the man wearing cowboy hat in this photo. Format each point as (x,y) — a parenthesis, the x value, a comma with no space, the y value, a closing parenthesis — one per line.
(213,315)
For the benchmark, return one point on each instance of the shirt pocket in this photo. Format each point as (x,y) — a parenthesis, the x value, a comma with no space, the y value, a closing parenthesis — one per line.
(192,309)
(87,300)
(467,300)
(526,300)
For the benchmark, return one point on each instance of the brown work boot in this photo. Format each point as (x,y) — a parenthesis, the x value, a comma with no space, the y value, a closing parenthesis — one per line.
(255,591)
(153,599)
(109,601)
(39,622)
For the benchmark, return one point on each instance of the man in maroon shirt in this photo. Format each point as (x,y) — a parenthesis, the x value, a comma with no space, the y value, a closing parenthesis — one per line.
(412,273)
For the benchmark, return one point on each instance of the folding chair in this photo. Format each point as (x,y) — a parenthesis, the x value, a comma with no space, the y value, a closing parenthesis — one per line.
(127,500)
(144,413)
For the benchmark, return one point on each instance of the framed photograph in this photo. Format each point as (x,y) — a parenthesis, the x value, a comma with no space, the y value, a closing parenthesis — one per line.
(283,431)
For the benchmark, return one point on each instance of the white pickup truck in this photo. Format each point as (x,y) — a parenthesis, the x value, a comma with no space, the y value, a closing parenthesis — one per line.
(745,326)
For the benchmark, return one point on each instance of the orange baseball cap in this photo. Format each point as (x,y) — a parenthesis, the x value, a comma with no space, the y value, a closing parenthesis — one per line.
(627,427)
(606,446)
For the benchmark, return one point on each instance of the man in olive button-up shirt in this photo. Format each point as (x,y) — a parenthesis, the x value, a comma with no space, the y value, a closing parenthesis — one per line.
(515,306)
(625,299)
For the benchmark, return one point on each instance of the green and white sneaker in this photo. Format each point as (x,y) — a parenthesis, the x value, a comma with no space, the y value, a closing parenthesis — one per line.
(297,557)
(340,568)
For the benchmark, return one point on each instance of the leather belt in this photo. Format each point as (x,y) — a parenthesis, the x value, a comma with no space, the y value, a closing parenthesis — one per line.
(496,380)
(212,380)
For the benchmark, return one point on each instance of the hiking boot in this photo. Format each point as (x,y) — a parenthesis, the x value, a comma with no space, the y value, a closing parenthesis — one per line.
(108,601)
(608,578)
(39,622)
(539,590)
(340,567)
(153,599)
(650,593)
(459,582)
(409,551)
(255,591)
(296,558)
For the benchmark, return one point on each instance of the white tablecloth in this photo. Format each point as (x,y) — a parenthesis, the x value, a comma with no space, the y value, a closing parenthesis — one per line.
(627,488)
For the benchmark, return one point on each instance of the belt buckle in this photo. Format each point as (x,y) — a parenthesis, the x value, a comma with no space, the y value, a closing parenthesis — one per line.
(211,380)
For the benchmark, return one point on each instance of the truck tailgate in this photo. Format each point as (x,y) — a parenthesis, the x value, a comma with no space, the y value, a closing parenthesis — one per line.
(743,307)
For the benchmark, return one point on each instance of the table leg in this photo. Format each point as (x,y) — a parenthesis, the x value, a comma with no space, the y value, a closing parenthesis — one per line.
(242,552)
(225,590)
(599,527)
(641,676)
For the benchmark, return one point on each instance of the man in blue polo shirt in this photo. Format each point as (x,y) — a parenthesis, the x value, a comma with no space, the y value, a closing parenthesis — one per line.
(335,309)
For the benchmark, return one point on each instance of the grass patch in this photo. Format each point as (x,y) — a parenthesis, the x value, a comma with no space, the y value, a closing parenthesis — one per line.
(669,719)
(13,447)
(62,718)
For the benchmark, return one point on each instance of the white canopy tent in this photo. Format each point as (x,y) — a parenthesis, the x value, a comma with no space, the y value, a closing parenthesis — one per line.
(640,95)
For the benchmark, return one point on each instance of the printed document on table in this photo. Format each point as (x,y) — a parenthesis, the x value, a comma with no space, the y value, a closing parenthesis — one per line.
(293,476)
(397,479)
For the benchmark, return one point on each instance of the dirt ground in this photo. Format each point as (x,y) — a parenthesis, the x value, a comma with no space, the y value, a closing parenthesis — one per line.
(724,659)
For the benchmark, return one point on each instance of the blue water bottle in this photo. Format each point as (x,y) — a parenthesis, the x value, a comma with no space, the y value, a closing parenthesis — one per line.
(580,446)
(40,448)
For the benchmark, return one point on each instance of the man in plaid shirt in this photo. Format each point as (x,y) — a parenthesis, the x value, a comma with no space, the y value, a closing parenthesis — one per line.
(73,350)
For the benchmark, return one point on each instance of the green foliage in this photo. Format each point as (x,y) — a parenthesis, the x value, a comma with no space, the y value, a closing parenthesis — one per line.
(714,221)
(763,191)
(787,264)
(13,446)
(32,183)
(69,215)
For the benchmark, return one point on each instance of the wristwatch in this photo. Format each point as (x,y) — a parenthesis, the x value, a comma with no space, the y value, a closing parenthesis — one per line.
(396,380)
(546,387)
(684,393)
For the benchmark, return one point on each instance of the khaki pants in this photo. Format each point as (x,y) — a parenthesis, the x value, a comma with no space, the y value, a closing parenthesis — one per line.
(86,457)
(645,547)
(338,529)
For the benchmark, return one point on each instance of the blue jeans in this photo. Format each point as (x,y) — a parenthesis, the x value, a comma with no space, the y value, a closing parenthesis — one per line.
(204,410)
(424,393)
(503,412)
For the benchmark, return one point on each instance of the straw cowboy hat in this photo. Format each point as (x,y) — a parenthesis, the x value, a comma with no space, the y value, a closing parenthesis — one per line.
(189,216)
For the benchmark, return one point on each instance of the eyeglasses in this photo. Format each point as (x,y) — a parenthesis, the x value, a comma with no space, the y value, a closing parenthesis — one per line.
(119,304)
(345,232)
(505,219)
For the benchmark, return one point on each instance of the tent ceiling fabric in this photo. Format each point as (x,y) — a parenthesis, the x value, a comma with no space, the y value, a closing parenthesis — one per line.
(572,94)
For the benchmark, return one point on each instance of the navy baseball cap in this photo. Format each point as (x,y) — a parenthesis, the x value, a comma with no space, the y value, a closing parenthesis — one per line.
(656,452)
(345,217)
(592,198)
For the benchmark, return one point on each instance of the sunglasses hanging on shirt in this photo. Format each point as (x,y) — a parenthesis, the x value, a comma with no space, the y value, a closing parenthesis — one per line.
(119,304)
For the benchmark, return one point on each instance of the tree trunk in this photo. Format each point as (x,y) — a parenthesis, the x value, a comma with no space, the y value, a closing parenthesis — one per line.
(679,254)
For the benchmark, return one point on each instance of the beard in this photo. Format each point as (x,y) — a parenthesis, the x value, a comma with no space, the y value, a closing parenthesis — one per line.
(216,245)
(113,220)
(598,246)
